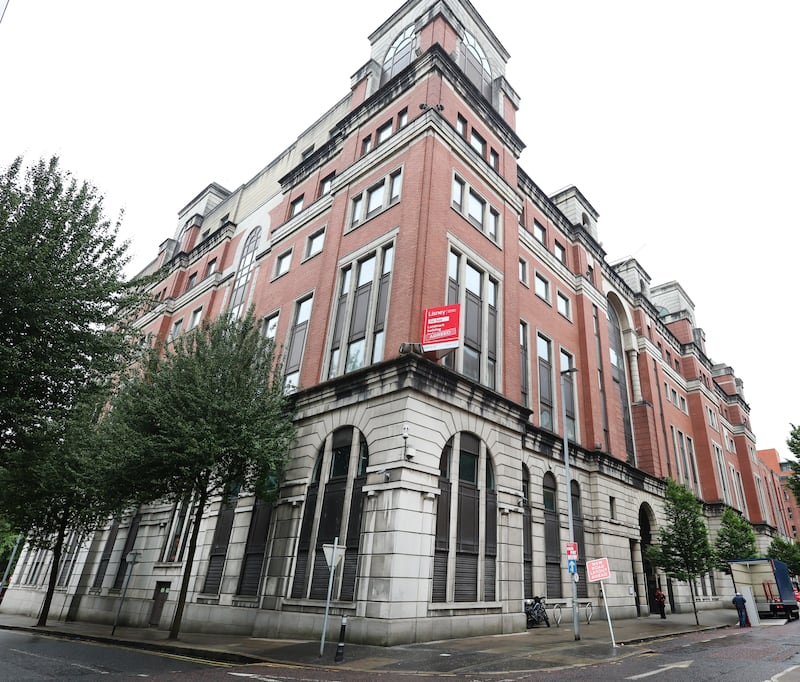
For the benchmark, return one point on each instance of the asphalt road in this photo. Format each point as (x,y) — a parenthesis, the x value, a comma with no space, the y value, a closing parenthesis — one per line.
(25,656)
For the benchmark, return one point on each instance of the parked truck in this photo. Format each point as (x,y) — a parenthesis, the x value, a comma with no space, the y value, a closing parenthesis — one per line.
(770,584)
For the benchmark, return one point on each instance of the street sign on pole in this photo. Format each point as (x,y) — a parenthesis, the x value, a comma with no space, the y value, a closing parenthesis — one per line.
(597,570)
(572,550)
(333,553)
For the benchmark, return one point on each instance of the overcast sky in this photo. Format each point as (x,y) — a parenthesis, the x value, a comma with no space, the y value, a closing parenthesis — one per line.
(678,121)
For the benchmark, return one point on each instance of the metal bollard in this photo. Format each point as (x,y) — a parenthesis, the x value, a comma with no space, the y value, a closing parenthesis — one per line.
(340,646)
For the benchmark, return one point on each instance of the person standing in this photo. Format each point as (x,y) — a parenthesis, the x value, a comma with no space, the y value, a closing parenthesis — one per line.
(661,600)
(739,601)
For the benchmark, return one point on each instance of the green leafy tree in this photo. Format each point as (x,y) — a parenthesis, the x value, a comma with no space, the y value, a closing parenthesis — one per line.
(63,291)
(62,283)
(735,539)
(793,442)
(202,416)
(786,551)
(62,489)
(683,550)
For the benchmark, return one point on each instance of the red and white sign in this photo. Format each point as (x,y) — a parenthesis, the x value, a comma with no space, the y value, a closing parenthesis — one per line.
(572,550)
(597,570)
(441,327)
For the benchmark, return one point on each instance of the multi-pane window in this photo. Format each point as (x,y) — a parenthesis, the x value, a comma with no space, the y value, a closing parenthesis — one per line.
(544,356)
(475,208)
(315,243)
(568,388)
(477,292)
(539,231)
(376,198)
(297,342)
(475,65)
(359,325)
(399,55)
(563,305)
(723,479)
(282,263)
(246,266)
(296,206)
(542,287)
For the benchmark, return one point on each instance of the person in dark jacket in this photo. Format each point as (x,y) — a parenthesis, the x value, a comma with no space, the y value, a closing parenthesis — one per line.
(661,600)
(739,601)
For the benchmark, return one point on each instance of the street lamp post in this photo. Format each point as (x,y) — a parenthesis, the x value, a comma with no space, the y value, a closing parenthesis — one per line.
(573,577)
(131,559)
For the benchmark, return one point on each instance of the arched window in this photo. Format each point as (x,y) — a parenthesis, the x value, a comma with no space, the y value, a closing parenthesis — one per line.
(552,540)
(246,265)
(619,376)
(399,55)
(476,65)
(465,554)
(338,478)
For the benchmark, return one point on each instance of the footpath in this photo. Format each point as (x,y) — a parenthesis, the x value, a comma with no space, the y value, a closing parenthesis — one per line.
(539,648)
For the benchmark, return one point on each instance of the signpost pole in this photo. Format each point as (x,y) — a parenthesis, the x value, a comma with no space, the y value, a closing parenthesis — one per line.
(332,569)
(608,615)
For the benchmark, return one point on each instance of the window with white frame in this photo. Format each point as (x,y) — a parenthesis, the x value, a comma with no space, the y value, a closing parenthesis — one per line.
(326,185)
(563,305)
(477,143)
(566,362)
(384,133)
(315,243)
(477,291)
(523,271)
(712,418)
(366,145)
(539,232)
(211,268)
(541,287)
(246,267)
(524,363)
(296,206)
(402,119)
(494,159)
(560,253)
(376,198)
(400,54)
(297,342)
(195,319)
(176,329)
(359,323)
(269,327)
(282,263)
(461,125)
(544,358)
(723,481)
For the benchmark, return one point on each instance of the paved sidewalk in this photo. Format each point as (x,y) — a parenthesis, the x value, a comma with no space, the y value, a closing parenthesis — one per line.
(537,649)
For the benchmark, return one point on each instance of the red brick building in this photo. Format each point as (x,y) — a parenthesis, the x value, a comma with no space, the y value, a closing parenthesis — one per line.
(442,475)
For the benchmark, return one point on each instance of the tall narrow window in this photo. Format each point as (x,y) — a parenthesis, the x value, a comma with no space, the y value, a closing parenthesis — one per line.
(527,536)
(544,355)
(339,476)
(297,342)
(246,266)
(619,376)
(568,386)
(466,467)
(253,560)
(478,292)
(360,318)
(220,541)
(523,355)
(552,539)
(399,55)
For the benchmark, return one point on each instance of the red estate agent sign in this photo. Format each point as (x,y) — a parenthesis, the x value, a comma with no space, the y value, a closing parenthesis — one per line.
(597,570)
(441,327)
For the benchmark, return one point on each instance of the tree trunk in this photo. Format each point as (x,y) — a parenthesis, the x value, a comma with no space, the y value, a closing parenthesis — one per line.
(51,582)
(187,570)
(694,603)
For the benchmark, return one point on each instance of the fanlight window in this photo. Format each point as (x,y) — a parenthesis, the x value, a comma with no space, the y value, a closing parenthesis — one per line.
(399,55)
(476,65)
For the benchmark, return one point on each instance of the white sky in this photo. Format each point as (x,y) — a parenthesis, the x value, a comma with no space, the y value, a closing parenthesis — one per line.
(678,120)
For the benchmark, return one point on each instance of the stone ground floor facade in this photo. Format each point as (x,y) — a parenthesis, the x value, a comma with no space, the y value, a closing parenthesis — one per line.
(449,506)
